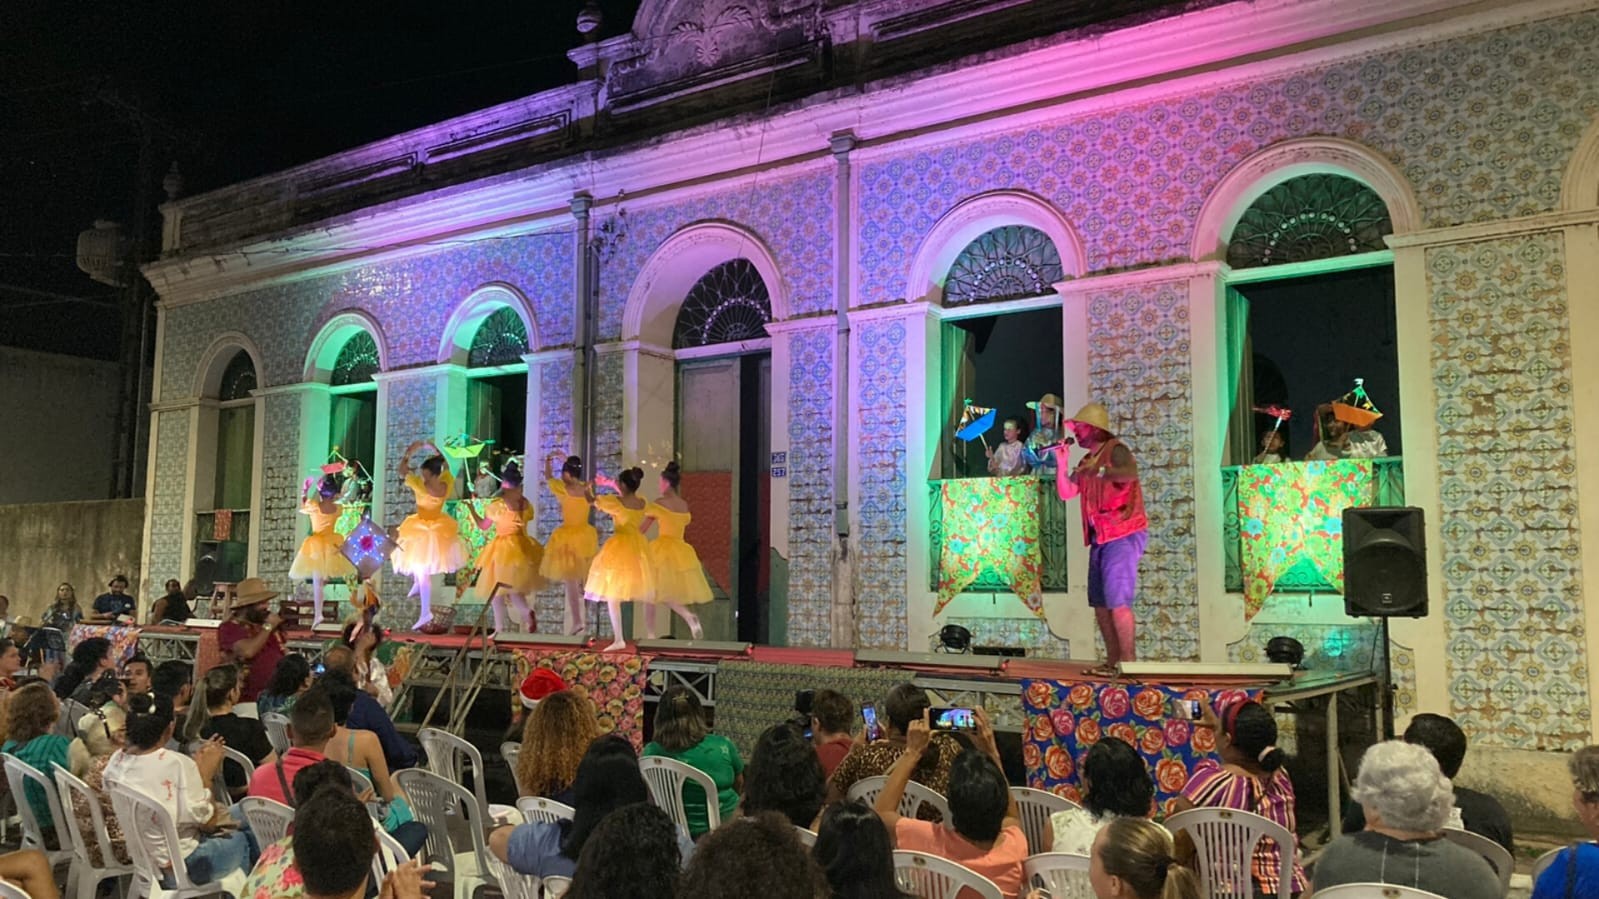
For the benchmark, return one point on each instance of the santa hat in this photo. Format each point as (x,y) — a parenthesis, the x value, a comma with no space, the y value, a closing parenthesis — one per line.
(540,683)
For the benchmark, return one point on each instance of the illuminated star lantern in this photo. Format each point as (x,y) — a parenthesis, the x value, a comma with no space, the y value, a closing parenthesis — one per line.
(367,547)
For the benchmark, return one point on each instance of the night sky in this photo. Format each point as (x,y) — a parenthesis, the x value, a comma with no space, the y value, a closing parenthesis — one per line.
(231,91)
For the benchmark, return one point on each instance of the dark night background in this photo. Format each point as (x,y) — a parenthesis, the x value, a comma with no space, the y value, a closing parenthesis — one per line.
(230,91)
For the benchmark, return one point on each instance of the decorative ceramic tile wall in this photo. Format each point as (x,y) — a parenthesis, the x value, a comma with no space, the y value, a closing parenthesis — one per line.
(555,432)
(281,525)
(1512,574)
(1481,126)
(166,495)
(1028,633)
(880,558)
(810,485)
(1138,365)
(412,411)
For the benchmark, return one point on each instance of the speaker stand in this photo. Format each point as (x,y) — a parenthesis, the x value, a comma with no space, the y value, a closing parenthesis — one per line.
(1387,685)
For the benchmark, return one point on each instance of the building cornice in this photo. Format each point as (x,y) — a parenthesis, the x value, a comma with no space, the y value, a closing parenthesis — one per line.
(1155,274)
(1530,224)
(420,371)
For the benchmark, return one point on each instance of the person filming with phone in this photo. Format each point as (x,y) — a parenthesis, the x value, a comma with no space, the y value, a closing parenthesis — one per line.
(874,756)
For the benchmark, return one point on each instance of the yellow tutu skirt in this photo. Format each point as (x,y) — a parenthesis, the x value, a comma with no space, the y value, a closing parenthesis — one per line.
(428,546)
(512,560)
(622,570)
(321,556)
(679,576)
(568,553)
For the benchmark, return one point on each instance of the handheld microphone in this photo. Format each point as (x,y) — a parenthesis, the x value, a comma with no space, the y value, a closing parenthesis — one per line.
(1055,446)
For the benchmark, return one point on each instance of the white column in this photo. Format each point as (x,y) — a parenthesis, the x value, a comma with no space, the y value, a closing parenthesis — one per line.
(1582,310)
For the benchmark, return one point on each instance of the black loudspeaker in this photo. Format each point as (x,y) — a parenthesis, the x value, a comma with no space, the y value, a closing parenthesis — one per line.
(1385,562)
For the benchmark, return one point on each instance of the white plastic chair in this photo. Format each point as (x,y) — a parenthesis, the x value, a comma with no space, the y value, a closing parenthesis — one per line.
(666,778)
(277,729)
(18,775)
(390,855)
(219,783)
(555,887)
(449,756)
(512,884)
(511,752)
(359,780)
(1064,874)
(1036,807)
(1375,891)
(1543,862)
(7,891)
(916,795)
(537,808)
(88,874)
(153,845)
(806,836)
(269,819)
(436,801)
(1492,852)
(72,711)
(931,877)
(1225,839)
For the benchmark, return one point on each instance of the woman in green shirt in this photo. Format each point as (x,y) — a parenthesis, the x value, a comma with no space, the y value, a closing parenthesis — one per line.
(33,711)
(682,734)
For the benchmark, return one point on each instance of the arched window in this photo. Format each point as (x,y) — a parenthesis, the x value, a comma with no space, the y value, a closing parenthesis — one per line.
(496,397)
(357,362)
(500,340)
(1310,217)
(1011,262)
(728,304)
(238,379)
(352,419)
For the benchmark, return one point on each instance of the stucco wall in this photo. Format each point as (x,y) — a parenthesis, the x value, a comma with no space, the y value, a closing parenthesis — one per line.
(69,449)
(83,544)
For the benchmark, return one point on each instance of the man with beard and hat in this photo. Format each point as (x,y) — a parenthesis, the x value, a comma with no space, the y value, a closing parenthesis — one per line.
(1114,527)
(253,638)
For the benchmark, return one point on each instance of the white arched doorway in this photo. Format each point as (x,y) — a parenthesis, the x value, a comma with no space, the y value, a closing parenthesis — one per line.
(485,346)
(697,387)
(226,461)
(340,371)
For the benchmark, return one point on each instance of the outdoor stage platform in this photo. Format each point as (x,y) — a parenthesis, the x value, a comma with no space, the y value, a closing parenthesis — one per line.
(1054,709)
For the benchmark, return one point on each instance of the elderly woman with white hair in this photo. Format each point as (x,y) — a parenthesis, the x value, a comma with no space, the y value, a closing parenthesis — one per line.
(1407,801)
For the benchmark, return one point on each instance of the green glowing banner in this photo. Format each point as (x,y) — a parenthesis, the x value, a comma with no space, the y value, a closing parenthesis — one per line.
(991,525)
(1291,514)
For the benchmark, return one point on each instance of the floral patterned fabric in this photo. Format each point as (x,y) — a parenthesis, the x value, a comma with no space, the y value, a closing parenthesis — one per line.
(275,875)
(1294,511)
(613,681)
(991,523)
(1064,719)
(124,640)
(95,778)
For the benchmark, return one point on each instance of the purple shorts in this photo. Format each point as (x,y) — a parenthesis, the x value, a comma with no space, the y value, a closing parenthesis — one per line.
(1113,571)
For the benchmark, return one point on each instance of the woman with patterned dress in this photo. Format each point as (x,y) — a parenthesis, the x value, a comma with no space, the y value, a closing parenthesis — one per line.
(511,560)
(573,545)
(321,556)
(679,576)
(622,571)
(430,541)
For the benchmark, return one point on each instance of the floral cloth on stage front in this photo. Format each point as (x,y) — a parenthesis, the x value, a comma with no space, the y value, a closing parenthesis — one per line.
(124,640)
(1294,512)
(1064,720)
(613,681)
(990,524)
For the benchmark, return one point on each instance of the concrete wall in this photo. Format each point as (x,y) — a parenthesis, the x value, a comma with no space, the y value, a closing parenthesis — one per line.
(63,410)
(83,544)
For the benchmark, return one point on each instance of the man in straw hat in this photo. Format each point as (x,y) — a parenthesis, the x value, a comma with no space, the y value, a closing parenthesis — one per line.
(1114,527)
(253,638)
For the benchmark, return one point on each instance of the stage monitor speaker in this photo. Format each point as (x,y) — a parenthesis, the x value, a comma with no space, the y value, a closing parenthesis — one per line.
(1385,562)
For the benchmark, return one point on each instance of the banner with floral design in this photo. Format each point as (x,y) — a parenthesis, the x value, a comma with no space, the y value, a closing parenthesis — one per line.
(990,524)
(1065,719)
(124,640)
(1293,512)
(613,681)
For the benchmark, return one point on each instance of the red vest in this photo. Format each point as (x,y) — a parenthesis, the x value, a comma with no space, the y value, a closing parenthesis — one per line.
(1111,510)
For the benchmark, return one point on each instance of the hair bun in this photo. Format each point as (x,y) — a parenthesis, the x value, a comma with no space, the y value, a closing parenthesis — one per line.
(672,467)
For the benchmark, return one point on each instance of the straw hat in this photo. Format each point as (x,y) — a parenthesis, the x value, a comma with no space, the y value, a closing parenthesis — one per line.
(250,591)
(1048,399)
(1093,414)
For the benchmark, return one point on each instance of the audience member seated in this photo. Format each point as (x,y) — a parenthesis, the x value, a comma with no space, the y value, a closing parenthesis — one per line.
(682,734)
(10,664)
(904,704)
(136,673)
(101,733)
(1407,800)
(759,856)
(1116,784)
(607,779)
(328,853)
(985,830)
(213,716)
(212,846)
(855,853)
(100,730)
(369,674)
(91,660)
(632,854)
(174,679)
(1473,811)
(33,712)
(173,606)
(290,679)
(29,869)
(1249,776)
(310,728)
(785,776)
(1134,858)
(1575,871)
(832,718)
(557,733)
(366,714)
(361,750)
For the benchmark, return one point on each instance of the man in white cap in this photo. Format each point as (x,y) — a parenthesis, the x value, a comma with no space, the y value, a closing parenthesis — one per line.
(252,638)
(1114,527)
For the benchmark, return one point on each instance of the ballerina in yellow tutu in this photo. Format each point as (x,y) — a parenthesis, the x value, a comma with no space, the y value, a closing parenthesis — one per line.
(679,577)
(321,556)
(511,560)
(430,541)
(622,571)
(572,546)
